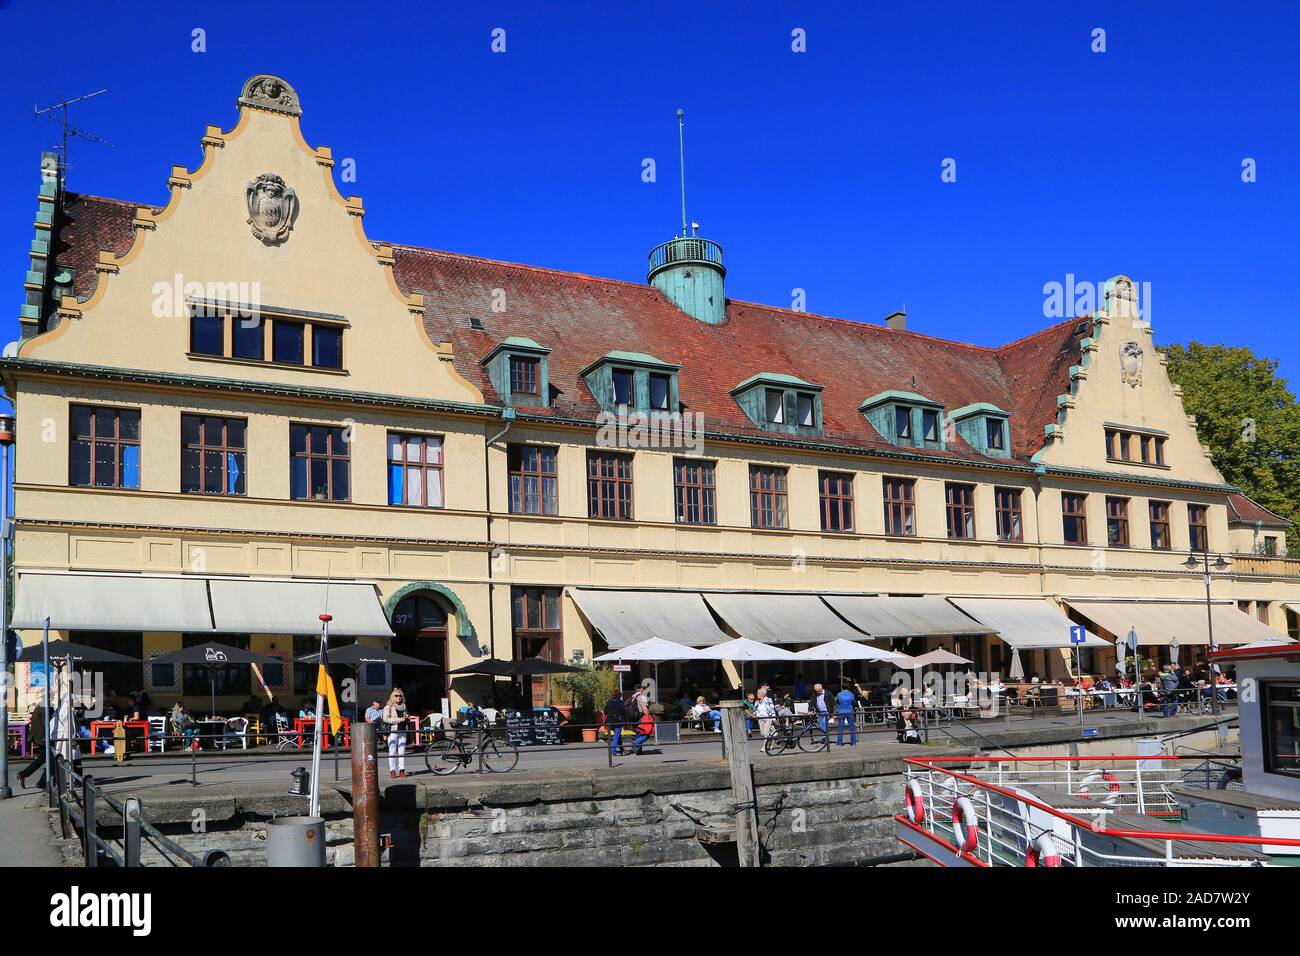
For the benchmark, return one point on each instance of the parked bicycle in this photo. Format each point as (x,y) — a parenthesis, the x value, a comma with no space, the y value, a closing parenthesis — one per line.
(790,732)
(449,754)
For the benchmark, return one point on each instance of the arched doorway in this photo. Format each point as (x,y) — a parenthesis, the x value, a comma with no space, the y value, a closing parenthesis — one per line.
(420,630)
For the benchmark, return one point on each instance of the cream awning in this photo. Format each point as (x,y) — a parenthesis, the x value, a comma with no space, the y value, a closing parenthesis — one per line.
(1159,622)
(891,617)
(1025,623)
(624,618)
(112,602)
(781,618)
(294,607)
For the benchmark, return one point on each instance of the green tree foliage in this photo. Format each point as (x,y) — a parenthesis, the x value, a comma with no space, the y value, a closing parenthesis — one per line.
(1248,416)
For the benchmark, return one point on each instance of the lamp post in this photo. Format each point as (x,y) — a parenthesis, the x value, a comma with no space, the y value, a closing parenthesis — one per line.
(1202,562)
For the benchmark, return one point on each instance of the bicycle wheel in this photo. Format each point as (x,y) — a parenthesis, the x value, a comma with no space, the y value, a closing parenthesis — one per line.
(777,744)
(812,739)
(499,756)
(444,756)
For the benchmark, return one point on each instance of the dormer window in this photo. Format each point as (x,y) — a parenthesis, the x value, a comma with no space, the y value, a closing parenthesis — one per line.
(632,381)
(523,375)
(781,403)
(517,368)
(983,426)
(905,418)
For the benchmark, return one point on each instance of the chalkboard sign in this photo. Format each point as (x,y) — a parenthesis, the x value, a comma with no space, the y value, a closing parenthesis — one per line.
(538,727)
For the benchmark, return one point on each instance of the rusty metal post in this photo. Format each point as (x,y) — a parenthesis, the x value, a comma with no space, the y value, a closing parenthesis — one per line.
(365,796)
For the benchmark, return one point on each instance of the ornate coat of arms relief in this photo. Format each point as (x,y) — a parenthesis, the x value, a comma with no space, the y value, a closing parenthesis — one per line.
(272,208)
(1130,364)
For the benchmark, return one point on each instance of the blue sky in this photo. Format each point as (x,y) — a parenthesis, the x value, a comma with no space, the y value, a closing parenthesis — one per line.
(817,171)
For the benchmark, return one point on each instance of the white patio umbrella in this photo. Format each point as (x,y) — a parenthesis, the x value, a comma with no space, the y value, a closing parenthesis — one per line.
(1173,652)
(742,649)
(841,650)
(1016,670)
(653,651)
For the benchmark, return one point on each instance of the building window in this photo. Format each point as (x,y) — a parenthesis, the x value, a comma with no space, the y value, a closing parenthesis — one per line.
(694,491)
(609,485)
(534,480)
(286,342)
(1074,518)
(836,500)
(995,429)
(1117,522)
(1159,511)
(1198,527)
(326,346)
(775,400)
(212,455)
(1281,728)
(1270,546)
(248,338)
(624,387)
(105,449)
(1135,447)
(414,470)
(524,375)
(535,621)
(900,506)
(902,422)
(319,463)
(660,392)
(767,497)
(961,510)
(929,425)
(1261,611)
(207,332)
(1007,503)
(804,411)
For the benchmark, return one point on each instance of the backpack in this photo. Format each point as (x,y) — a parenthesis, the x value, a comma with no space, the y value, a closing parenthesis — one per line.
(615,713)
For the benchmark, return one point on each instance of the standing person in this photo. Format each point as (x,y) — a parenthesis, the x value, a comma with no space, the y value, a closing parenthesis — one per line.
(394,718)
(36,741)
(765,711)
(800,687)
(819,703)
(845,704)
(1169,690)
(615,718)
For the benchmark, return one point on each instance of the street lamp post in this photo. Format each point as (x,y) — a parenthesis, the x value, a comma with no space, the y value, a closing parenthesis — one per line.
(6,439)
(1202,562)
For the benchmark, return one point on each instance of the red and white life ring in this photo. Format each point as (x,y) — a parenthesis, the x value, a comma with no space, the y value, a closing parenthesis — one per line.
(1043,852)
(915,802)
(1102,776)
(965,824)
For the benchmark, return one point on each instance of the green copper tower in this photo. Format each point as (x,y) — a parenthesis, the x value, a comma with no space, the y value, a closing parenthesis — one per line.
(688,269)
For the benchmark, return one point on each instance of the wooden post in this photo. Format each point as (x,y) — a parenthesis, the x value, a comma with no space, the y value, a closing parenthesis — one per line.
(365,796)
(742,782)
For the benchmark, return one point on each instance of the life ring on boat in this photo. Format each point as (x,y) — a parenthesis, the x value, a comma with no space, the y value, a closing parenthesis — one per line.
(1043,852)
(965,824)
(915,802)
(1102,776)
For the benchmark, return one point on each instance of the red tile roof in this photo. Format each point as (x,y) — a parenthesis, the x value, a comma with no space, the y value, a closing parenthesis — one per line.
(1244,509)
(581,318)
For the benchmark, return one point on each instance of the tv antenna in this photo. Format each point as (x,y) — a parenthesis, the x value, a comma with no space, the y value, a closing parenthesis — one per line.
(58,113)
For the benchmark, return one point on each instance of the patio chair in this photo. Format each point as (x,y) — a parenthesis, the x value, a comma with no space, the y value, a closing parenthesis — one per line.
(157,734)
(236,729)
(286,739)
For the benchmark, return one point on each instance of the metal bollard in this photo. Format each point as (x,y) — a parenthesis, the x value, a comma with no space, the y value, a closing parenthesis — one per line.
(365,796)
(131,832)
(88,827)
(295,841)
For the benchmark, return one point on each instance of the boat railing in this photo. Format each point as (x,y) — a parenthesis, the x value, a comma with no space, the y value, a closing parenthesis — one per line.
(1023,807)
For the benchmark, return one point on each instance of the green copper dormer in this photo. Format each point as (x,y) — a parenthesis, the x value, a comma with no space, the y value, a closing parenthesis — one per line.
(905,418)
(632,381)
(781,403)
(984,427)
(518,372)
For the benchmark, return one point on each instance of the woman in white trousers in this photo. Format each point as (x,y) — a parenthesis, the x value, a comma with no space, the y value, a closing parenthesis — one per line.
(394,718)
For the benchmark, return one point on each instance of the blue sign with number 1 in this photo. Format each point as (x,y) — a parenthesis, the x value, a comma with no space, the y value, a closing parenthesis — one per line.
(1078,634)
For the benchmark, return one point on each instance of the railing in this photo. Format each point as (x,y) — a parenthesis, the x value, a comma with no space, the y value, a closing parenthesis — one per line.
(1284,565)
(685,249)
(1011,815)
(77,797)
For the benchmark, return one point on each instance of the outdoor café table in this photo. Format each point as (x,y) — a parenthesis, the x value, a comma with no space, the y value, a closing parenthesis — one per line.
(18,730)
(306,727)
(97,725)
(209,729)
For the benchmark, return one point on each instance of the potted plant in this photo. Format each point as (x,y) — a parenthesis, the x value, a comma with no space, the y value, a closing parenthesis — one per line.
(588,689)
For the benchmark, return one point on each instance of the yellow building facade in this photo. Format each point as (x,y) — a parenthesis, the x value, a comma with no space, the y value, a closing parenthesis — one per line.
(242,387)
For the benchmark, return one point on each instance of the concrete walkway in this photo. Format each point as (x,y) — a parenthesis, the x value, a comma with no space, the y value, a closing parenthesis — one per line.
(26,838)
